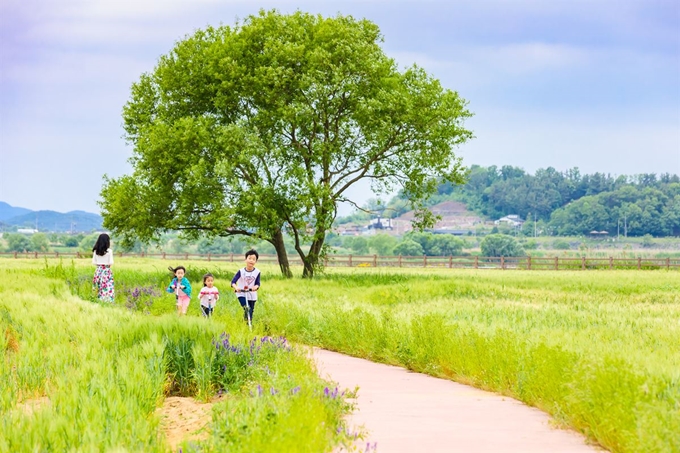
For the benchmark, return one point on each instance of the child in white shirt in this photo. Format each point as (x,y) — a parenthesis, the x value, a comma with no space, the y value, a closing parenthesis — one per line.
(246,282)
(209,295)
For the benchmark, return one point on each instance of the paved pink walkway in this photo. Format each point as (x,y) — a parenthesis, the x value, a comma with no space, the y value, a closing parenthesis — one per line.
(412,412)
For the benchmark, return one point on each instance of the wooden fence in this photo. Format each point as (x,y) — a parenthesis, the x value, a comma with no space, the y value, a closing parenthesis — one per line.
(450,262)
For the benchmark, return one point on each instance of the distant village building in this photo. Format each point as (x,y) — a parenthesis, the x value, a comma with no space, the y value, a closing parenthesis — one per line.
(380,224)
(27,230)
(513,220)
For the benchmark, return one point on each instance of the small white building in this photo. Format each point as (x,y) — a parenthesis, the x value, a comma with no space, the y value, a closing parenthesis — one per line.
(513,220)
(27,230)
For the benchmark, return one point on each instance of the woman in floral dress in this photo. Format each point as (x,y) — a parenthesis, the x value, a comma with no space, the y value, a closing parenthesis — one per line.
(102,257)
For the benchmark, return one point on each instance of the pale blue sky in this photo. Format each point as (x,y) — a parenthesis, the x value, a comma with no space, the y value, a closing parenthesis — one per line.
(568,83)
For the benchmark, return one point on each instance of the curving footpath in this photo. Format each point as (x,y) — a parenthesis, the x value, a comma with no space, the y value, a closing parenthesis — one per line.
(412,412)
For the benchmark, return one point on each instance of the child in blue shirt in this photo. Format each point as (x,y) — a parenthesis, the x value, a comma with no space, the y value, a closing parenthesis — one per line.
(181,287)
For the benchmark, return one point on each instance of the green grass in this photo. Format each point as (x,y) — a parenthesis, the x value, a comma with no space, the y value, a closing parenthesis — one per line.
(599,350)
(106,369)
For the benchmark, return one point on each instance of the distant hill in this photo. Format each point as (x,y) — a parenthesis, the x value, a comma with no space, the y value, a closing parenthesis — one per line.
(7,211)
(76,221)
(454,217)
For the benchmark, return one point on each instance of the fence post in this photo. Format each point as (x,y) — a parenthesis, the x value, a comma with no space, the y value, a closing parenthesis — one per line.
(56,254)
(450,261)
(424,260)
(476,262)
(583,263)
(611,262)
(668,263)
(231,257)
(209,256)
(639,263)
(502,262)
(350,260)
(36,255)
(557,265)
(186,256)
(375,260)
(400,260)
(15,255)
(528,262)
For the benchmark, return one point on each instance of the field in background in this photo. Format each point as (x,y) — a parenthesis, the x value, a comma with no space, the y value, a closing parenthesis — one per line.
(598,350)
(557,262)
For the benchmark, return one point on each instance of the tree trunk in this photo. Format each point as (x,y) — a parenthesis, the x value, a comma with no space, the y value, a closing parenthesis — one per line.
(282,255)
(308,270)
(311,261)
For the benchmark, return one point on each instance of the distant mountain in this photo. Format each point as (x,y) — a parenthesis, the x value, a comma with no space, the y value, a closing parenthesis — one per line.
(75,221)
(7,211)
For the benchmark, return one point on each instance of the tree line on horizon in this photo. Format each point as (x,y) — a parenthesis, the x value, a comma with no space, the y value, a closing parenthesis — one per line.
(566,203)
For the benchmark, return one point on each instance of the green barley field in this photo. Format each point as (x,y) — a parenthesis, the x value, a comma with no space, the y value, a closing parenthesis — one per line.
(599,350)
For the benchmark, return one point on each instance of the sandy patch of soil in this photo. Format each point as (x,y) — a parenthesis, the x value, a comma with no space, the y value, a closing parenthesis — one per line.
(32,405)
(184,418)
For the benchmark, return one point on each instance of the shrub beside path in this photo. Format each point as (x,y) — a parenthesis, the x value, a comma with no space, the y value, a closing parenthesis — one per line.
(410,412)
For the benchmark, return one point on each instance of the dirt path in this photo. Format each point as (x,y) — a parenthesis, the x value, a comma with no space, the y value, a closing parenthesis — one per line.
(411,412)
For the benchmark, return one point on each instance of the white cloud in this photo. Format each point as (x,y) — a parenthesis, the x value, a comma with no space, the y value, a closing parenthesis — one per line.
(522,58)
(509,58)
(76,67)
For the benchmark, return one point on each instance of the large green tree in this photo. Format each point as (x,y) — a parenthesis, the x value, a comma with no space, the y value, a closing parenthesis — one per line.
(260,129)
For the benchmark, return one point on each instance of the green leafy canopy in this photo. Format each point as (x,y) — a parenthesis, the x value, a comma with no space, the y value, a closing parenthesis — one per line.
(264,126)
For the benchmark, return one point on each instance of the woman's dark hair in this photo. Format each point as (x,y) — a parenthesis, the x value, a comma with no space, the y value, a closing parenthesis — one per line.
(253,252)
(102,245)
(175,269)
(205,277)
